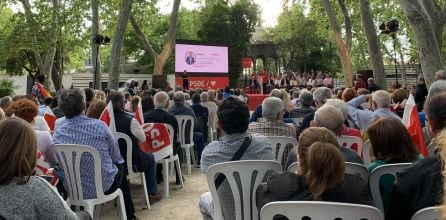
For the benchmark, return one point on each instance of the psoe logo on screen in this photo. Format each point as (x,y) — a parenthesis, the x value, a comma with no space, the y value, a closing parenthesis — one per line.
(190,57)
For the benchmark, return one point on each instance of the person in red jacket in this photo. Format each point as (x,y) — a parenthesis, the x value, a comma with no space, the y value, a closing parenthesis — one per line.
(360,83)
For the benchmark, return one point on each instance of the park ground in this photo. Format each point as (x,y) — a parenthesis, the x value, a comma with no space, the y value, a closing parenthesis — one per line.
(182,204)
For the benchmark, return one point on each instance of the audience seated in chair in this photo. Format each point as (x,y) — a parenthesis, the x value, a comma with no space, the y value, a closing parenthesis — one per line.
(305,107)
(142,162)
(343,107)
(201,123)
(320,96)
(212,110)
(421,185)
(78,129)
(331,118)
(320,177)
(160,115)
(178,108)
(391,143)
(22,195)
(273,125)
(233,120)
(380,105)
(258,110)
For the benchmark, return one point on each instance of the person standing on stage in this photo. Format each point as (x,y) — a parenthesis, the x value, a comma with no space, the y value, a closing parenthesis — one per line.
(265,79)
(185,80)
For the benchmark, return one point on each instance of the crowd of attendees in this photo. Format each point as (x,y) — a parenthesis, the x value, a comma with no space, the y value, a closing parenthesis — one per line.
(223,124)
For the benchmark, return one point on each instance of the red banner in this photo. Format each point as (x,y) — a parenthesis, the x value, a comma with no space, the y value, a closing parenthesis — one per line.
(246,62)
(157,140)
(204,82)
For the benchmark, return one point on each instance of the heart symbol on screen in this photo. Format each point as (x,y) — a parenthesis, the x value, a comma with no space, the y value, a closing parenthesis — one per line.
(213,83)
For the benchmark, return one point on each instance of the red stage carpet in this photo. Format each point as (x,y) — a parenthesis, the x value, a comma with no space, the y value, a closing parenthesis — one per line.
(255,100)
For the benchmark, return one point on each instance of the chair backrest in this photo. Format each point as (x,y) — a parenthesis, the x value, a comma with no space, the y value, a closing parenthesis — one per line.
(293,167)
(245,170)
(281,142)
(183,122)
(375,176)
(69,157)
(366,153)
(129,149)
(357,169)
(352,143)
(430,213)
(316,210)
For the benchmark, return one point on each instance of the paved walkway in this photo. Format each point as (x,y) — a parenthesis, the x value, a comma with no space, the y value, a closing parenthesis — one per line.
(182,204)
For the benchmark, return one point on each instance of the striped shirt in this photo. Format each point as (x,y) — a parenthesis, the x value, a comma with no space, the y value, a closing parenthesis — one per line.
(94,133)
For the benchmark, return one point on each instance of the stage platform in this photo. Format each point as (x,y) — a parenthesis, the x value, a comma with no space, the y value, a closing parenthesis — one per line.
(255,100)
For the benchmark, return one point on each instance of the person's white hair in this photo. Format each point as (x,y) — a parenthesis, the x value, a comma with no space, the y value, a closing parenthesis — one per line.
(382,99)
(160,99)
(340,105)
(204,97)
(437,87)
(321,94)
(276,93)
(211,93)
(271,106)
(329,117)
(441,74)
(178,97)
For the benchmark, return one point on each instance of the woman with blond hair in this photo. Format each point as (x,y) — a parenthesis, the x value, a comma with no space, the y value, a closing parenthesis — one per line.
(320,175)
(23,195)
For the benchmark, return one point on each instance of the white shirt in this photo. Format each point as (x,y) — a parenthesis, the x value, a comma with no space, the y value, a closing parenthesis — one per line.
(137,131)
(40,124)
(212,108)
(44,140)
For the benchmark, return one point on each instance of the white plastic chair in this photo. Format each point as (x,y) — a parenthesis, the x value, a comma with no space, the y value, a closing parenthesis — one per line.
(357,169)
(282,141)
(293,167)
(366,153)
(69,157)
(376,175)
(132,174)
(183,121)
(245,169)
(430,213)
(171,159)
(320,211)
(349,141)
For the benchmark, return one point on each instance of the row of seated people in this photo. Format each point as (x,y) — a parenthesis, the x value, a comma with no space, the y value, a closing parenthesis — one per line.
(76,128)
(390,140)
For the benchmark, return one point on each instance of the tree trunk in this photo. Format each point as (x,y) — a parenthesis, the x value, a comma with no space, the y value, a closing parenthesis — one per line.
(95,48)
(115,58)
(45,64)
(161,59)
(430,56)
(373,44)
(403,68)
(347,23)
(343,49)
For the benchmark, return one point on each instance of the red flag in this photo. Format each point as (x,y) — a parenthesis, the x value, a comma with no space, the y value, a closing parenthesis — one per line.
(413,125)
(42,89)
(44,169)
(50,118)
(108,117)
(138,113)
(157,140)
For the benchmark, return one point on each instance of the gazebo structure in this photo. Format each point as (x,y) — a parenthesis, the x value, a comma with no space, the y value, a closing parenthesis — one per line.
(264,51)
